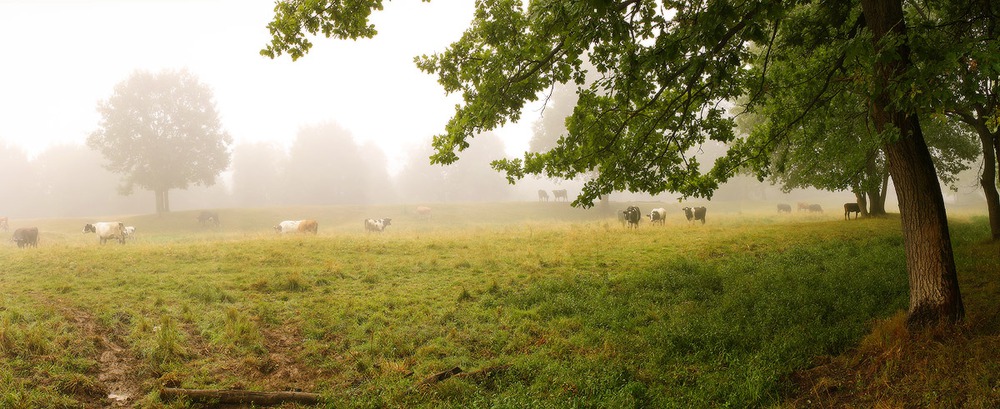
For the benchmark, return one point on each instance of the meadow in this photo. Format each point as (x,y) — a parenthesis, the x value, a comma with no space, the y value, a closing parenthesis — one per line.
(540,305)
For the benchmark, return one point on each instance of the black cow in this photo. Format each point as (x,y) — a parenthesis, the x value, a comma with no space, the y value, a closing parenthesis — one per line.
(699,214)
(851,208)
(815,208)
(560,194)
(207,217)
(786,208)
(26,237)
(632,216)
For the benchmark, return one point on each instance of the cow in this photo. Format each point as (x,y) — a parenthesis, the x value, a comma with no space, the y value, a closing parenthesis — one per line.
(560,194)
(107,231)
(424,211)
(657,215)
(784,208)
(688,213)
(376,225)
(308,226)
(802,206)
(3,224)
(129,232)
(699,214)
(632,216)
(815,208)
(621,217)
(543,196)
(287,226)
(25,237)
(851,208)
(210,218)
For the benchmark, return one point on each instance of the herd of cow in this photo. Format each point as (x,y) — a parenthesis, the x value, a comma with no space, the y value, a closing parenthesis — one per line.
(631,215)
(543,196)
(815,208)
(118,231)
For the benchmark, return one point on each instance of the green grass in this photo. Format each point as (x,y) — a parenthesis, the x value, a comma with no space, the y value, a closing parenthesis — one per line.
(565,306)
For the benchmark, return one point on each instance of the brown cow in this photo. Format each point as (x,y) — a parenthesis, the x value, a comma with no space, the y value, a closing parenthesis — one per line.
(424,212)
(308,226)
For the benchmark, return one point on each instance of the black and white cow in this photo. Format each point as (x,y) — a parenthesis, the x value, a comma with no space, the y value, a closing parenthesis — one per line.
(657,215)
(107,231)
(632,216)
(376,225)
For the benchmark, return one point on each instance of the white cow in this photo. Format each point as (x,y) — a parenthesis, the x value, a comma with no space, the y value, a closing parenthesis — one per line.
(657,215)
(288,226)
(107,231)
(129,232)
(376,225)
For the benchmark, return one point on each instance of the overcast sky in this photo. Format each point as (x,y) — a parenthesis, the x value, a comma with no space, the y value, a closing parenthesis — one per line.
(63,56)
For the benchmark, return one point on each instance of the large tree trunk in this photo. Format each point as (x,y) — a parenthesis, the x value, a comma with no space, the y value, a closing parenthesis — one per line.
(162,201)
(861,200)
(934,291)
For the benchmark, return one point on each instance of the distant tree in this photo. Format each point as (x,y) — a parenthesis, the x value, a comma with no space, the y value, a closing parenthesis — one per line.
(471,180)
(20,194)
(377,186)
(256,169)
(161,132)
(324,167)
(73,183)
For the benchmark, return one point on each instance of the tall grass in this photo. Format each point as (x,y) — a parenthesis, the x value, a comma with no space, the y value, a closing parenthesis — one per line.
(571,313)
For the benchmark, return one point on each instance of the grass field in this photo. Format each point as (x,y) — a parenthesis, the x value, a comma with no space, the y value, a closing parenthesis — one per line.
(541,305)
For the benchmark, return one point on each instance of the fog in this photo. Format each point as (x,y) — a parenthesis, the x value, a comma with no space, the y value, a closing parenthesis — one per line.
(326,165)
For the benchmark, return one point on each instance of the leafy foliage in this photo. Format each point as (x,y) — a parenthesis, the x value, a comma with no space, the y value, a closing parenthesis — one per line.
(161,132)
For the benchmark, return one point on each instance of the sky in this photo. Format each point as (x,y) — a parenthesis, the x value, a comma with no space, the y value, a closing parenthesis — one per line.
(61,57)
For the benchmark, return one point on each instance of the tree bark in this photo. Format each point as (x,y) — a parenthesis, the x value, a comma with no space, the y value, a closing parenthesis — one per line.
(930,263)
(989,179)
(860,199)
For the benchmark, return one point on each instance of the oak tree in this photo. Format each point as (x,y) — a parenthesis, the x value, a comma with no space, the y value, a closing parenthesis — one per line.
(161,132)
(665,70)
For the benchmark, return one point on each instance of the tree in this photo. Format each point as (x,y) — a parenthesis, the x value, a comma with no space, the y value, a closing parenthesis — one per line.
(161,132)
(73,184)
(960,50)
(325,166)
(471,180)
(255,176)
(665,72)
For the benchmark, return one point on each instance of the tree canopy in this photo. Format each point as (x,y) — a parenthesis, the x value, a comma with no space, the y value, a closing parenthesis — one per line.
(161,132)
(665,73)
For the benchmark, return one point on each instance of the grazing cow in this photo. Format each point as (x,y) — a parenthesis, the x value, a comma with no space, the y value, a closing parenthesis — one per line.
(543,196)
(814,208)
(851,208)
(25,237)
(560,194)
(688,213)
(784,208)
(129,232)
(424,212)
(210,218)
(3,224)
(288,226)
(107,231)
(802,206)
(308,226)
(657,215)
(632,216)
(699,214)
(376,225)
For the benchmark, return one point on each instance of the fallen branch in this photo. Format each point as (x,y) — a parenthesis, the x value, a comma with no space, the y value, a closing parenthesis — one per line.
(234,396)
(440,376)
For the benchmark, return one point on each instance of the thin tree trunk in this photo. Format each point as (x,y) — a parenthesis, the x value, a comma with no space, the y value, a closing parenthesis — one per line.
(934,291)
(989,180)
(166,200)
